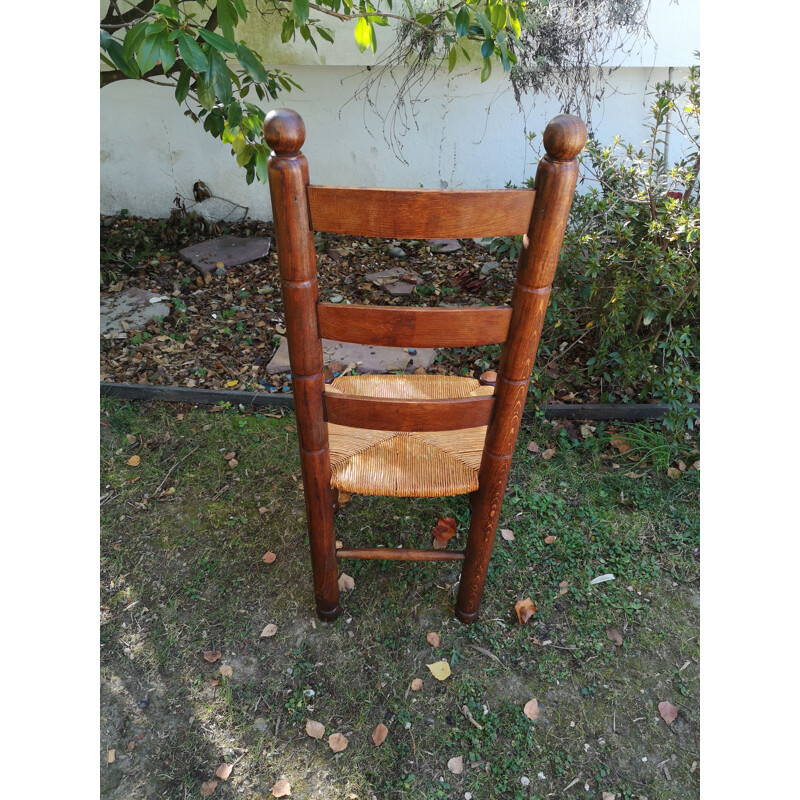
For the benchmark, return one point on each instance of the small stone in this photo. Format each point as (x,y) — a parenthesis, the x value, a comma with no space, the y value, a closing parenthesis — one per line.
(220,271)
(337,298)
(397,252)
(488,267)
(444,245)
(525,780)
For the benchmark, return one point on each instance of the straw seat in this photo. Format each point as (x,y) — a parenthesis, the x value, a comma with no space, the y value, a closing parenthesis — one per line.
(401,463)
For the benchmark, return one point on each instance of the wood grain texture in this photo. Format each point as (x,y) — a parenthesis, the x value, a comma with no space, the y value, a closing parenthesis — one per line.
(393,326)
(400,554)
(420,213)
(408,415)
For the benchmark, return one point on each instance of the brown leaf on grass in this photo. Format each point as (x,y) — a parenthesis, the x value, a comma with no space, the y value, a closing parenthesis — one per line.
(379,734)
(282,788)
(233,463)
(525,610)
(133,461)
(531,709)
(609,796)
(549,453)
(681,466)
(262,510)
(621,445)
(668,711)
(549,539)
(507,534)
(456,765)
(229,456)
(563,587)
(444,531)
(614,635)
(269,630)
(316,730)
(416,684)
(432,639)
(696,465)
(440,670)
(533,447)
(212,655)
(213,682)
(339,544)
(633,475)
(131,744)
(344,498)
(111,756)
(207,789)
(346,583)
(131,438)
(673,473)
(226,670)
(268,557)
(337,742)
(224,771)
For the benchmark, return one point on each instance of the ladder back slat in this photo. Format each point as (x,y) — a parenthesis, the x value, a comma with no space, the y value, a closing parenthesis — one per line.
(392,326)
(420,213)
(408,415)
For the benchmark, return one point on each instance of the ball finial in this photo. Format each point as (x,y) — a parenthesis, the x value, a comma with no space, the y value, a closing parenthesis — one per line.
(564,137)
(284,131)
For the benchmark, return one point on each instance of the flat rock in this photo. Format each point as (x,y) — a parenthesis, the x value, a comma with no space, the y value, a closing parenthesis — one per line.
(444,245)
(134,307)
(230,250)
(397,281)
(489,266)
(374,359)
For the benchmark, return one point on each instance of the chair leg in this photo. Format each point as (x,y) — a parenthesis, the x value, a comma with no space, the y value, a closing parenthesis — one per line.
(486,504)
(322,539)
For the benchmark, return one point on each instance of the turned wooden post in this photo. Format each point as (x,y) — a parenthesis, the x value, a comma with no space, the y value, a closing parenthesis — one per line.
(556,176)
(285,133)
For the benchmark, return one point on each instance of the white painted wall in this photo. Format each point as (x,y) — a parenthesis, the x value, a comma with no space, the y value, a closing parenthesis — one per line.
(464,134)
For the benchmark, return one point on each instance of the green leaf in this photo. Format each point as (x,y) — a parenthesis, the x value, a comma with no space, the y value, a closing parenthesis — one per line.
(261,165)
(114,50)
(182,89)
(133,38)
(217,41)
(234,115)
(452,58)
(373,38)
(168,54)
(205,92)
(251,64)
(487,48)
(287,30)
(379,20)
(486,71)
(191,53)
(165,10)
(363,35)
(462,21)
(226,16)
(149,52)
(241,9)
(325,34)
(218,74)
(300,8)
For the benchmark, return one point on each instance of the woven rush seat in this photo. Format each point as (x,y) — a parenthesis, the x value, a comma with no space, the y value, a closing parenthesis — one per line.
(399,463)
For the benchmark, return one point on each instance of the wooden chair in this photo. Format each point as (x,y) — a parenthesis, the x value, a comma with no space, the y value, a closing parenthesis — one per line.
(412,435)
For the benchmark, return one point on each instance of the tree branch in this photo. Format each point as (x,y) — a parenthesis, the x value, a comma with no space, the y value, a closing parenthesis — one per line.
(138,10)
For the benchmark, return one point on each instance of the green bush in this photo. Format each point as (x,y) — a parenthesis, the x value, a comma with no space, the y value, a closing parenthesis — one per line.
(627,288)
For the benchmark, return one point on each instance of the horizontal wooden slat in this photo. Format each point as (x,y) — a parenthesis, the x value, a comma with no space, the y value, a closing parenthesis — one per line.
(400,554)
(408,415)
(394,326)
(420,213)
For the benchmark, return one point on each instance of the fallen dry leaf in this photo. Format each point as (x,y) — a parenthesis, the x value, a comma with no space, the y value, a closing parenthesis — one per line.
(621,445)
(633,475)
(696,465)
(444,531)
(229,456)
(224,771)
(563,587)
(207,789)
(668,711)
(282,788)
(131,438)
(681,466)
(609,796)
(213,682)
(440,670)
(269,630)
(587,430)
(549,453)
(456,765)
(131,744)
(316,730)
(226,671)
(379,734)
(549,539)
(346,583)
(233,463)
(525,610)
(673,473)
(262,510)
(337,742)
(212,655)
(339,544)
(533,447)
(531,709)
(133,461)
(111,756)
(416,684)
(268,557)
(344,498)
(432,639)
(614,635)
(507,534)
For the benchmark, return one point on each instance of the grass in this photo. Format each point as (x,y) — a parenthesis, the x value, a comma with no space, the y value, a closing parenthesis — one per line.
(181,573)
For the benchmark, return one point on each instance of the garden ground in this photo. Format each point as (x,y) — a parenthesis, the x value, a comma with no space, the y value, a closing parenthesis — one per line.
(184,526)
